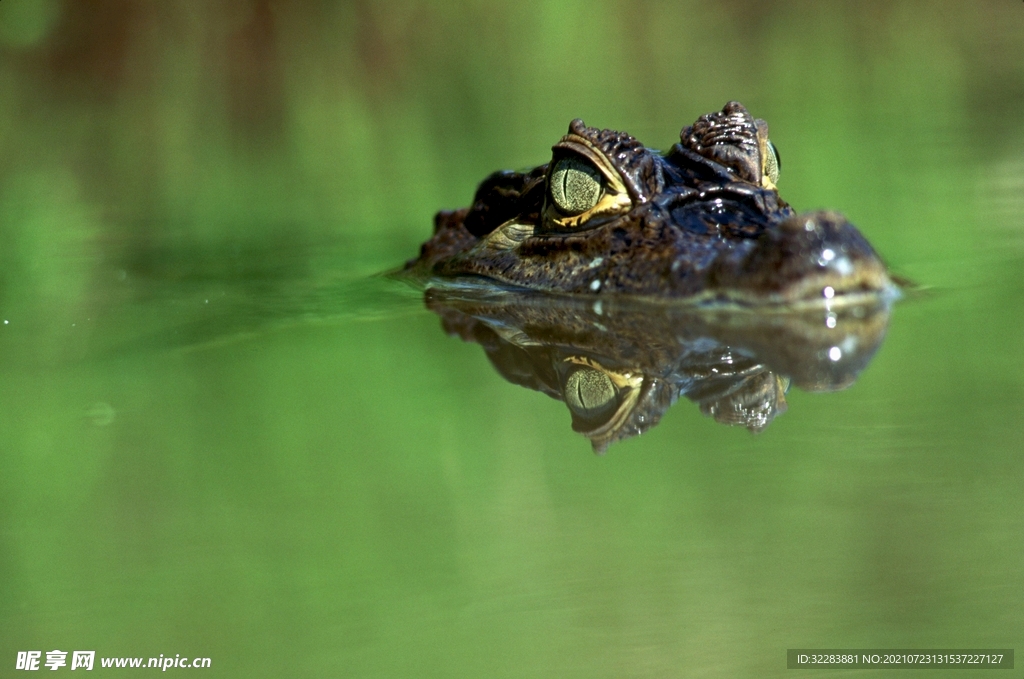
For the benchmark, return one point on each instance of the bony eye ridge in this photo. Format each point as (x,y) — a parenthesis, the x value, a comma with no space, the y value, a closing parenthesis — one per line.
(575,186)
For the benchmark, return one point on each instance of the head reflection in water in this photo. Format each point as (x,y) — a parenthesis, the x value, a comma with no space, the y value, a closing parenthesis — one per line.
(619,365)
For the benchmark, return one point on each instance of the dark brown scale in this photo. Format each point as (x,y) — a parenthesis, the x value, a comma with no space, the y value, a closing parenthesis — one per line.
(503,196)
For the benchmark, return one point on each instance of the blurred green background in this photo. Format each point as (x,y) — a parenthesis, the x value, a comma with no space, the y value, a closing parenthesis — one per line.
(220,437)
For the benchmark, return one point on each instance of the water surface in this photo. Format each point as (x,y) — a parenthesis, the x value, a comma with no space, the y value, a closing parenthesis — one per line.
(223,435)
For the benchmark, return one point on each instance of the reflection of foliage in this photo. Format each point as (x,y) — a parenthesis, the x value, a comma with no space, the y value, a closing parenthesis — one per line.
(23,24)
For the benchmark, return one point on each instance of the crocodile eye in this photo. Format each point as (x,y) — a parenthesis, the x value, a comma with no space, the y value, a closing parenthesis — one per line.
(575,186)
(772,163)
(589,393)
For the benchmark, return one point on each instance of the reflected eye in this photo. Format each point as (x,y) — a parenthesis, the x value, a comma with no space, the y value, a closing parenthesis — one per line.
(772,163)
(575,186)
(590,393)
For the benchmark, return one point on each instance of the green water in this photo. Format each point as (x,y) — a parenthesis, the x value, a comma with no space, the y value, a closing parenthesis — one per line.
(222,436)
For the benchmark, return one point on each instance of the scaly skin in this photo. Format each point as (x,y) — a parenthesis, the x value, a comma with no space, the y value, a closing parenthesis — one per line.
(702,221)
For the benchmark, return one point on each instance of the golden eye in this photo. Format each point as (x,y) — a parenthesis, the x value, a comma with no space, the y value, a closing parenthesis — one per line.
(589,393)
(772,162)
(575,186)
